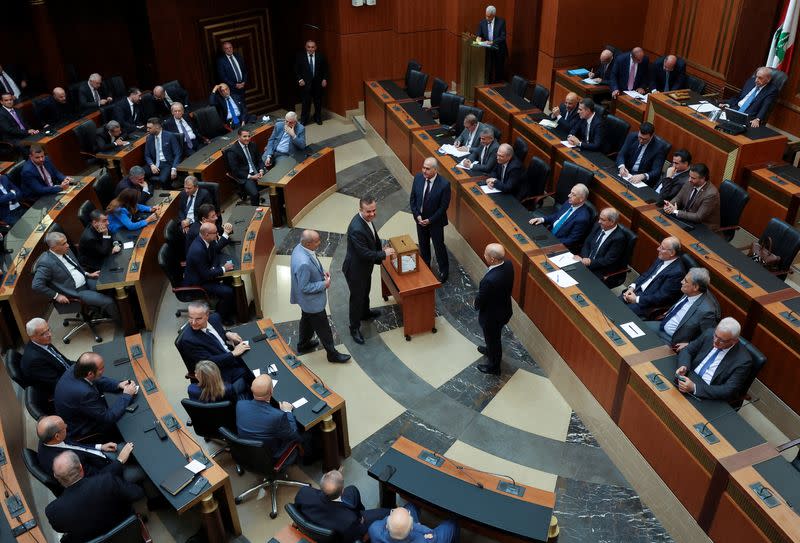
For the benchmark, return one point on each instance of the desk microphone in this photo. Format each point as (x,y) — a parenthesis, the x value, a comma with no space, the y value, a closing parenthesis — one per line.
(180,443)
(460,468)
(718,261)
(317,378)
(703,429)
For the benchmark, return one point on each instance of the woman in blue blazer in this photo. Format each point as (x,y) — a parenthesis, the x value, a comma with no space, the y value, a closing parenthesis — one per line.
(124,207)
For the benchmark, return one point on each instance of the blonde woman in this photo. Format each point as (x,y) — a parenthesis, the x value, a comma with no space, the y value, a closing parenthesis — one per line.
(211,388)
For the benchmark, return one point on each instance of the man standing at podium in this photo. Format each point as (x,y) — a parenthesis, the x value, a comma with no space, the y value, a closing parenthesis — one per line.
(492,30)
(430,198)
(493,303)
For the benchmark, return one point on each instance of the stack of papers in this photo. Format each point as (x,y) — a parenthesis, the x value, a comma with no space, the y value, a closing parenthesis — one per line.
(565,143)
(562,260)
(632,330)
(637,96)
(548,123)
(488,190)
(638,184)
(562,278)
(590,81)
(450,149)
(704,107)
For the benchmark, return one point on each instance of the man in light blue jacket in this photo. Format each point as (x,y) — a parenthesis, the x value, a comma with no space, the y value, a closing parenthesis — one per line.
(288,138)
(310,283)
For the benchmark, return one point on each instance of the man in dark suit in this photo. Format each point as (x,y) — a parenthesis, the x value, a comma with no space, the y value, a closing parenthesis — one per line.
(694,313)
(492,30)
(96,244)
(363,252)
(186,129)
(203,268)
(93,95)
(572,221)
(601,73)
(311,74)
(42,364)
(136,181)
(162,152)
(56,109)
(567,114)
(207,213)
(716,365)
(10,207)
(230,107)
(337,507)
(13,82)
(587,133)
(660,285)
(630,71)
(508,175)
(89,506)
(190,200)
(430,198)
(642,155)
(698,200)
(246,165)
(79,399)
(468,140)
(206,339)
(483,160)
(667,74)
(604,249)
(756,97)
(232,70)
(12,125)
(110,137)
(258,419)
(403,526)
(40,177)
(128,112)
(675,177)
(164,99)
(493,304)
(287,138)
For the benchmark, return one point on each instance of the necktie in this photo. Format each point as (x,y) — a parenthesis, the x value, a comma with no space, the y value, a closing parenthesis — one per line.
(672,312)
(563,219)
(13,113)
(491,31)
(46,176)
(483,153)
(425,193)
(6,86)
(374,234)
(588,128)
(235,66)
(704,367)
(597,243)
(167,99)
(311,64)
(666,81)
(637,162)
(71,262)
(158,151)
(190,203)
(691,199)
(249,160)
(631,75)
(503,173)
(319,264)
(96,96)
(749,99)
(232,111)
(57,356)
(133,112)
(186,137)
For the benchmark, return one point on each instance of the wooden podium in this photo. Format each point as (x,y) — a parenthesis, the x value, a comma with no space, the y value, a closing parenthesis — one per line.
(415,293)
(473,66)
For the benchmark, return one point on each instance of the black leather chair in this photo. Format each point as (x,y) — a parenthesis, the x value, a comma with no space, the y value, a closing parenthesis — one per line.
(208,122)
(616,130)
(520,148)
(778,80)
(175,238)
(104,187)
(785,243)
(540,96)
(498,136)
(308,528)
(536,178)
(116,86)
(38,104)
(732,199)
(213,190)
(86,133)
(463,111)
(695,83)
(14,173)
(187,361)
(411,65)
(519,85)
(240,192)
(255,456)
(571,175)
(417,81)
(85,212)
(207,418)
(37,403)
(170,264)
(73,94)
(759,361)
(688,261)
(130,530)
(448,109)
(31,460)
(616,278)
(13,361)
(438,88)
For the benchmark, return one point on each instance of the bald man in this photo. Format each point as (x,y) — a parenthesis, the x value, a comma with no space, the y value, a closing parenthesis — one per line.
(260,420)
(205,266)
(493,303)
(402,525)
(630,71)
(601,73)
(55,109)
(430,198)
(566,114)
(668,74)
(756,97)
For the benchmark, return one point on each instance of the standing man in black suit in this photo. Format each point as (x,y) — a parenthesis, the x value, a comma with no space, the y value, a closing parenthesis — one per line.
(630,71)
(642,155)
(604,249)
(162,153)
(493,303)
(675,177)
(185,128)
(128,112)
(91,95)
(190,200)
(96,244)
(587,134)
(42,364)
(89,506)
(311,73)
(203,268)
(483,160)
(430,198)
(232,70)
(363,252)
(245,165)
(660,285)
(508,173)
(492,30)
(667,74)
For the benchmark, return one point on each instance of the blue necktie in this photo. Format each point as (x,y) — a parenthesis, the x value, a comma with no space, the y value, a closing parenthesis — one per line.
(672,312)
(749,100)
(234,117)
(708,363)
(560,222)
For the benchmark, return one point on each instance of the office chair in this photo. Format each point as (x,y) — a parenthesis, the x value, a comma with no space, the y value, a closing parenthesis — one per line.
(437,90)
(540,96)
(732,200)
(695,83)
(411,65)
(571,175)
(520,149)
(536,176)
(86,133)
(207,418)
(130,530)
(85,212)
(616,278)
(785,244)
(519,85)
(175,238)
(208,122)
(170,264)
(308,528)
(417,82)
(616,130)
(13,361)
(448,109)
(759,361)
(244,198)
(104,186)
(31,460)
(83,319)
(116,86)
(37,403)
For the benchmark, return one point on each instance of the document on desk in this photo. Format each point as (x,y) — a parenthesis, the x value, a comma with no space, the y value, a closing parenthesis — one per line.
(548,123)
(704,107)
(637,95)
(195,466)
(462,165)
(638,184)
(128,245)
(299,403)
(489,190)
(590,81)
(632,330)
(562,278)
(565,143)
(562,260)
(450,149)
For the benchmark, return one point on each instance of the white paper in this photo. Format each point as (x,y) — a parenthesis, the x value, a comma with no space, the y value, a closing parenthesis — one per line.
(482,43)
(562,278)
(409,262)
(548,123)
(562,260)
(634,94)
(195,466)
(704,107)
(590,81)
(272,368)
(638,184)
(632,330)
(128,245)
(462,165)
(257,372)
(565,143)
(489,190)
(450,149)
(299,403)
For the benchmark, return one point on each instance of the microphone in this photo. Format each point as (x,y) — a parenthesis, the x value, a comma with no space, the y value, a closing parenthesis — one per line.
(460,468)
(703,429)
(788,445)
(180,443)
(718,261)
(317,379)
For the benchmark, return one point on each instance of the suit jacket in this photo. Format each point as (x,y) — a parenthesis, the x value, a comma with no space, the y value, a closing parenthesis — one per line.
(664,289)
(499,34)
(573,232)
(603,71)
(221,104)
(569,120)
(363,250)
(86,101)
(226,73)
(150,106)
(237,161)
(493,301)
(620,72)
(202,263)
(302,70)
(759,107)
(658,76)
(127,120)
(732,374)
(296,144)
(93,505)
(202,196)
(126,183)
(92,463)
(308,281)
(41,369)
(489,160)
(94,248)
(652,161)
(103,140)
(670,186)
(13,194)
(463,138)
(34,186)
(514,180)
(9,129)
(344,516)
(52,112)
(170,146)
(437,203)
(197,345)
(703,315)
(83,408)
(596,139)
(610,255)
(171,126)
(704,208)
(263,422)
(51,277)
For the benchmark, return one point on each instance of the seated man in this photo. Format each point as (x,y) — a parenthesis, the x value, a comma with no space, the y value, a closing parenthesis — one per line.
(206,213)
(128,112)
(660,285)
(93,95)
(79,399)
(192,197)
(203,268)
(135,180)
(10,207)
(696,311)
(756,97)
(587,133)
(186,129)
(567,113)
(58,276)
(288,137)
(337,507)
(258,419)
(716,365)
(96,244)
(246,165)
(206,339)
(668,74)
(403,525)
(630,71)
(572,221)
(109,137)
(12,125)
(604,249)
(167,100)
(89,506)
(483,159)
(508,173)
(42,364)
(56,109)
(641,157)
(40,177)
(467,141)
(601,73)
(676,176)
(162,153)
(698,200)
(231,109)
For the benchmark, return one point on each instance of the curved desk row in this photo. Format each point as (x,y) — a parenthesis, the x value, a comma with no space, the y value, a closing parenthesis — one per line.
(61,144)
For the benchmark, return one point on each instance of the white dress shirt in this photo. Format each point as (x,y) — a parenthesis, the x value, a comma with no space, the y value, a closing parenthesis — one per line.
(77,276)
(712,369)
(672,324)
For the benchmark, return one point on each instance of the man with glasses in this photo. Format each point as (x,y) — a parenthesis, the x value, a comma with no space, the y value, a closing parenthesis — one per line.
(42,364)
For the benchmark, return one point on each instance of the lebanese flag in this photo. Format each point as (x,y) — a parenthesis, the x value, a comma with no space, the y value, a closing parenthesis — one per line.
(780,52)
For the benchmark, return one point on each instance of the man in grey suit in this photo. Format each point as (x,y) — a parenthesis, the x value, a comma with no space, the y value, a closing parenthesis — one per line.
(59,276)
(288,138)
(468,140)
(483,159)
(310,283)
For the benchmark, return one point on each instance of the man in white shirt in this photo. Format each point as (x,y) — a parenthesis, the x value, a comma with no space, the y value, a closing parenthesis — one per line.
(660,285)
(185,128)
(232,70)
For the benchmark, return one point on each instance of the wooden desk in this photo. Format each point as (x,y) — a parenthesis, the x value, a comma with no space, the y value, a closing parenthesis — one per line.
(62,146)
(564,83)
(542,142)
(771,195)
(631,111)
(377,97)
(415,293)
(290,534)
(126,157)
(500,105)
(4,166)
(401,119)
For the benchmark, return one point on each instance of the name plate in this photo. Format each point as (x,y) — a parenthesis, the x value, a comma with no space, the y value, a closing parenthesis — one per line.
(431,458)
(580,300)
(765,495)
(509,488)
(699,248)
(707,434)
(656,380)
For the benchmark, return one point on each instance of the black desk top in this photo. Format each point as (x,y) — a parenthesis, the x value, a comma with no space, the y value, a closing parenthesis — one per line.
(131,138)
(609,167)
(493,509)
(283,167)
(394,90)
(414,109)
(441,135)
(517,101)
(5,531)
(782,477)
(559,131)
(203,155)
(788,172)
(751,133)
(517,212)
